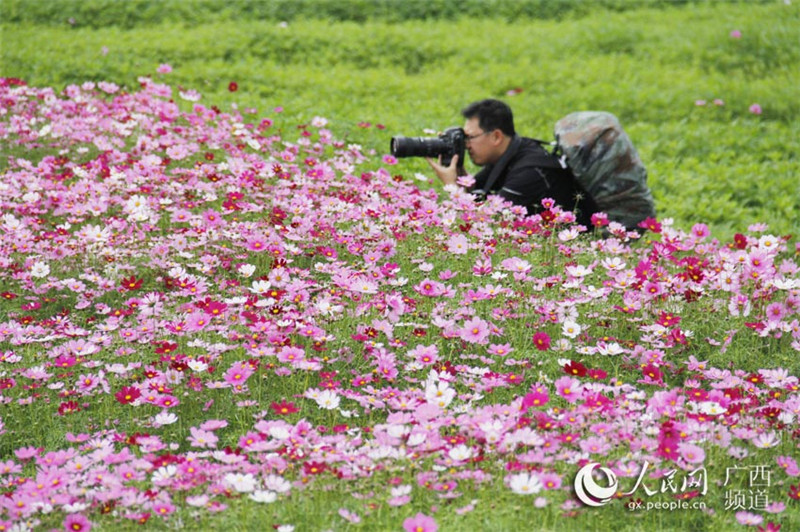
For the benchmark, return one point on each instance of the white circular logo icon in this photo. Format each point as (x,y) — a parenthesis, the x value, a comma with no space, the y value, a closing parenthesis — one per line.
(588,491)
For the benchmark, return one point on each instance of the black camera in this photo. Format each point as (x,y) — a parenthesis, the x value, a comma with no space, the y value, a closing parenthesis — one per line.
(451,142)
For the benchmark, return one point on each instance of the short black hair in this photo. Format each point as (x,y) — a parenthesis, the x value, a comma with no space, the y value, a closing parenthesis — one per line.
(491,114)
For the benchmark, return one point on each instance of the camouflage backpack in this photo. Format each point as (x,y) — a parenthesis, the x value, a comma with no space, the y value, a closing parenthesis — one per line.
(607,166)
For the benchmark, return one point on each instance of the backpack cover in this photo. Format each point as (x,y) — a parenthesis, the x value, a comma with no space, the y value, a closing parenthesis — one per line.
(606,164)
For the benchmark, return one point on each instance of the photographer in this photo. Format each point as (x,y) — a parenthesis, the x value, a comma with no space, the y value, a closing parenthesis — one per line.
(514,167)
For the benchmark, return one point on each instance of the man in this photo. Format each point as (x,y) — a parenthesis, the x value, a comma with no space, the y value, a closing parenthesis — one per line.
(514,167)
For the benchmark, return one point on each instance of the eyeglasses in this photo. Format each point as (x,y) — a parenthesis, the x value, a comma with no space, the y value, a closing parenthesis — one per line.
(468,138)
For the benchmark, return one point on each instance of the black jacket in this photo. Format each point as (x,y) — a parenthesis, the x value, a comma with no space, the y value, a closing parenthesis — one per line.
(527,173)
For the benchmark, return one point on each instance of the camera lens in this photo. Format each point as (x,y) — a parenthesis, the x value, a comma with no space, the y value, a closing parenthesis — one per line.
(418,147)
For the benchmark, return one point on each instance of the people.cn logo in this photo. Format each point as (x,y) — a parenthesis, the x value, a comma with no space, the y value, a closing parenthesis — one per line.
(589,492)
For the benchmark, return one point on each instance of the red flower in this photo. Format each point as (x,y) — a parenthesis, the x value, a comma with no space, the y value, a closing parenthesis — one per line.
(739,241)
(131,283)
(165,348)
(575,368)
(314,468)
(128,394)
(650,224)
(68,407)
(284,408)
(233,86)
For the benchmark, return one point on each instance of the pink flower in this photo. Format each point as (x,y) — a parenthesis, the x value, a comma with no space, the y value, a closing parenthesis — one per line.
(600,219)
(458,245)
(550,481)
(755,109)
(202,438)
(700,230)
(164,68)
(691,453)
(789,465)
(420,523)
(475,331)
(747,518)
(389,159)
(736,34)
(569,388)
(77,523)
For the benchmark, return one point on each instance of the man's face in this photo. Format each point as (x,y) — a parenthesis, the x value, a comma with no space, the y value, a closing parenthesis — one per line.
(481,145)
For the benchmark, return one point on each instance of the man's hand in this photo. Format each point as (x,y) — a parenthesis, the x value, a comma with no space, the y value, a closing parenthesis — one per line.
(446,174)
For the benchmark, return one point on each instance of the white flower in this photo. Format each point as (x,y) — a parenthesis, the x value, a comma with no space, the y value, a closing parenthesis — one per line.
(241,482)
(279,433)
(197,365)
(459,453)
(416,438)
(613,263)
(198,501)
(570,329)
(710,408)
(327,308)
(525,484)
(578,271)
(10,223)
(769,242)
(164,418)
(439,393)
(277,484)
(259,287)
(609,349)
(75,507)
(164,473)
(40,269)
(246,270)
(401,491)
(328,399)
(568,234)
(766,440)
(263,496)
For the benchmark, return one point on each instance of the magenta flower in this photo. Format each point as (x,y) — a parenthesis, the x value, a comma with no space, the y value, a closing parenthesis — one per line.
(541,341)
(77,523)
(755,109)
(420,523)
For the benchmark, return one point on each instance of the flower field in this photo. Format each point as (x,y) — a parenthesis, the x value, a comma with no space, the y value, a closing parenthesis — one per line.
(214,316)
